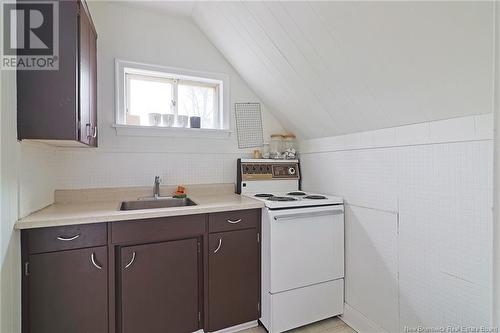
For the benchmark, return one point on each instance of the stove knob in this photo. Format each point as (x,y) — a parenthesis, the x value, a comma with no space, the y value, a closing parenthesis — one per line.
(291,171)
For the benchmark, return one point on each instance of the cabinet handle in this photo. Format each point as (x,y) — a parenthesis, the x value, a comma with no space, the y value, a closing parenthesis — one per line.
(92,257)
(235,221)
(131,261)
(88,127)
(67,239)
(95,132)
(218,246)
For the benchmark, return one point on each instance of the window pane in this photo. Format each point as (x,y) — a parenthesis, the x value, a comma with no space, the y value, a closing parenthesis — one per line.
(149,96)
(198,101)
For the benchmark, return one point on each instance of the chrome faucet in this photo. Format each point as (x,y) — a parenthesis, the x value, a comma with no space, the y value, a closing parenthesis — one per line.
(156,187)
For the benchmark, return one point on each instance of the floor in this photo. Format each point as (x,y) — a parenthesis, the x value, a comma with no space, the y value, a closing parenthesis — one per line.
(331,325)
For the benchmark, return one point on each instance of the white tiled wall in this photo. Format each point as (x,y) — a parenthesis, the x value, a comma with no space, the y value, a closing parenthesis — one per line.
(436,179)
(445,207)
(375,231)
(37,177)
(77,169)
(471,128)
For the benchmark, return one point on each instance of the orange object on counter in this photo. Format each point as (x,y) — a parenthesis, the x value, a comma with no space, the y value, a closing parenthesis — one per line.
(180,190)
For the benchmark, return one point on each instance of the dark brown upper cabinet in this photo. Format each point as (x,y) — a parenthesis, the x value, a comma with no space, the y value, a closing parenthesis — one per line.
(159,287)
(67,291)
(59,107)
(233,278)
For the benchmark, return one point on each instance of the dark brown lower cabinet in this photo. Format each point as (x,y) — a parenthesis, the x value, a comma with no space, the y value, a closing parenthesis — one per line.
(159,287)
(161,275)
(68,291)
(233,278)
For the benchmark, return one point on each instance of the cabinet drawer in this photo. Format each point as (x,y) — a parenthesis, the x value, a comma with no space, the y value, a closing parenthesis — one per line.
(157,229)
(66,237)
(234,220)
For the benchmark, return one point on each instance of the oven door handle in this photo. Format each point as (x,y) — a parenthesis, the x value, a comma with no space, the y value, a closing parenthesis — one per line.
(308,214)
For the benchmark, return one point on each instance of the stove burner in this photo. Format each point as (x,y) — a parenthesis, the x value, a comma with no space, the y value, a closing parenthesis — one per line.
(296,193)
(315,197)
(281,199)
(263,195)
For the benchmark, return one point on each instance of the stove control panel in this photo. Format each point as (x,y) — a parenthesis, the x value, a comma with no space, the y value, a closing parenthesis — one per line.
(269,171)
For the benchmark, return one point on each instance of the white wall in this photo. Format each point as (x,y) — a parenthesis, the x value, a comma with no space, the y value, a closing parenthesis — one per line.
(10,247)
(27,178)
(135,34)
(37,178)
(418,220)
(496,173)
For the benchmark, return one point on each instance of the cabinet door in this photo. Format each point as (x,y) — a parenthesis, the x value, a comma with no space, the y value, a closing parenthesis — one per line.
(67,291)
(233,278)
(159,287)
(93,86)
(47,101)
(84,77)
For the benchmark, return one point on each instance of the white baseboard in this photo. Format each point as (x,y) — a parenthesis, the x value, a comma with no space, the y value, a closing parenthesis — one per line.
(237,328)
(358,322)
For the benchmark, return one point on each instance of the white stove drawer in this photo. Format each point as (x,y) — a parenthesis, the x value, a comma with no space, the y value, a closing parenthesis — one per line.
(306,246)
(306,305)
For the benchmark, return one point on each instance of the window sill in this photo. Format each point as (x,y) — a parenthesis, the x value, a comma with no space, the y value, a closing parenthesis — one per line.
(177,132)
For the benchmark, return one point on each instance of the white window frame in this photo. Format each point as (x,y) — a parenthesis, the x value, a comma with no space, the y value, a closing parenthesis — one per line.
(173,75)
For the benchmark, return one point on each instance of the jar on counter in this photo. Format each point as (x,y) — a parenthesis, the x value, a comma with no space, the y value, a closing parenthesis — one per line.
(265,150)
(276,146)
(289,146)
(289,141)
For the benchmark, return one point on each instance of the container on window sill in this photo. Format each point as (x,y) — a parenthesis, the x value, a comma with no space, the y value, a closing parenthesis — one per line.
(133,120)
(167,119)
(154,119)
(195,122)
(182,120)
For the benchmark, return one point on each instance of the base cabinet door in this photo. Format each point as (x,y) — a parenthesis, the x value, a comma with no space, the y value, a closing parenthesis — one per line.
(159,287)
(67,291)
(233,278)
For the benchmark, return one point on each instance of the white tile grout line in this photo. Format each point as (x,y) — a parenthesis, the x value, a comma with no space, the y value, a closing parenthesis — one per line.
(391,146)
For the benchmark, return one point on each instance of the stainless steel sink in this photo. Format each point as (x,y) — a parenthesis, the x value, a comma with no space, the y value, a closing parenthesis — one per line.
(156,203)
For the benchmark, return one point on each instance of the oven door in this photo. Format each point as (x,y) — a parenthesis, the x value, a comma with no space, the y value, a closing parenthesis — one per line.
(306,246)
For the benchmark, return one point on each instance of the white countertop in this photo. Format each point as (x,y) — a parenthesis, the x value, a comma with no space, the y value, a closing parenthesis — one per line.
(77,207)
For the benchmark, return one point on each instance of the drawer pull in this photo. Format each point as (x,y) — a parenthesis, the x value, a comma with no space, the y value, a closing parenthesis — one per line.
(67,239)
(218,246)
(92,257)
(235,221)
(131,261)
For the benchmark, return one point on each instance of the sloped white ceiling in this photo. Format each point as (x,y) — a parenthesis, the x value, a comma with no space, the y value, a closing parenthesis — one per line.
(329,68)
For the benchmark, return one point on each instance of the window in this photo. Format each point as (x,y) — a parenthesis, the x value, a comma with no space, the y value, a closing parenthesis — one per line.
(146,94)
